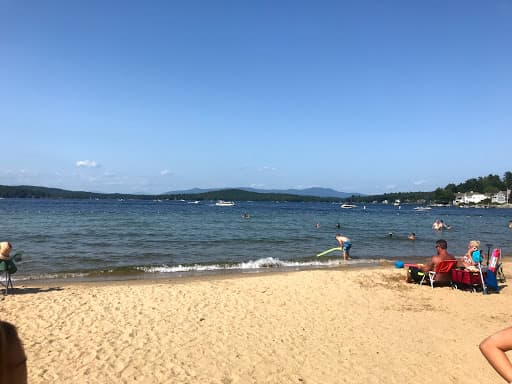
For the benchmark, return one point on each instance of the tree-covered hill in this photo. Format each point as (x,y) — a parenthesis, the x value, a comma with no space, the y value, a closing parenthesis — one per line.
(487,184)
(35,192)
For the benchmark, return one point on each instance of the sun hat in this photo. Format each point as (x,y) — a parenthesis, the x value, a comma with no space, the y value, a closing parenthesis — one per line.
(5,249)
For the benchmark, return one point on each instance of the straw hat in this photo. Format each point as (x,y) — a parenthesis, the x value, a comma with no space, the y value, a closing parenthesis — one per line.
(5,249)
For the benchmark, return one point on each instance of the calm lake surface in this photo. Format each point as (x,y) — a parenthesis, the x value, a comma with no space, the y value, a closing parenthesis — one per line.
(73,238)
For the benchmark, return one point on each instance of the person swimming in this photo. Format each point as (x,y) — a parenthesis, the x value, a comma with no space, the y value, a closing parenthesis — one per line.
(440,225)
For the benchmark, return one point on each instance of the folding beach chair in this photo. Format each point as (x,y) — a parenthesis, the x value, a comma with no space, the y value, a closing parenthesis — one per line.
(495,270)
(442,273)
(8,268)
(478,258)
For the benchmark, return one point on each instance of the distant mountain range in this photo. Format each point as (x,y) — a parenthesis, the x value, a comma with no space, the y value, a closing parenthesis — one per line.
(239,194)
(317,192)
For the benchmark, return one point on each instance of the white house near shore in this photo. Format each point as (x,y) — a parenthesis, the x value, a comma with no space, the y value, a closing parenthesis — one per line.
(469,198)
(500,197)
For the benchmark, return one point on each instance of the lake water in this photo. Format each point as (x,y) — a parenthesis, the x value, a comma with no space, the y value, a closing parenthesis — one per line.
(72,238)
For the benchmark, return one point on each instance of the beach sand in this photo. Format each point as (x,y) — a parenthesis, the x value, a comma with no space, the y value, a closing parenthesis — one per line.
(319,326)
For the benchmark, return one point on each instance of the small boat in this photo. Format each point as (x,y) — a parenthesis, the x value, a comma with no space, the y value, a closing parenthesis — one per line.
(347,206)
(396,203)
(422,209)
(222,203)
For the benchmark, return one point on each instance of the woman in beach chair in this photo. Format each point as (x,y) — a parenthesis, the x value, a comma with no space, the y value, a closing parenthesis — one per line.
(473,255)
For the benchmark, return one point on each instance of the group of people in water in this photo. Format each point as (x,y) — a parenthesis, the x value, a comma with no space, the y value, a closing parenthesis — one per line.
(440,225)
(345,243)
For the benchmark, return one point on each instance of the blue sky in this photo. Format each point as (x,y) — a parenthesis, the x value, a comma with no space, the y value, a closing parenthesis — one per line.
(360,96)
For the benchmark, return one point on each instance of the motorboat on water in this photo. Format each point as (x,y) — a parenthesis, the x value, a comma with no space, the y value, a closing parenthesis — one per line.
(420,209)
(396,203)
(348,206)
(222,203)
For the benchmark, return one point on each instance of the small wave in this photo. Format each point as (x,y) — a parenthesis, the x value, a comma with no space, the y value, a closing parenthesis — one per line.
(51,276)
(253,266)
(264,263)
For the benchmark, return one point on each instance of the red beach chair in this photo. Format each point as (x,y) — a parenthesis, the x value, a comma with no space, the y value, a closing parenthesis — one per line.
(442,273)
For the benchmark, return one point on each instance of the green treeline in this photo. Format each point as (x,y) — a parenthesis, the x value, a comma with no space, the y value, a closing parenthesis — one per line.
(26,191)
(486,184)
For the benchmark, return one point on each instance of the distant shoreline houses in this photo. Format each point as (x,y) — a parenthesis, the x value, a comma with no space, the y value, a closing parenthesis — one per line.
(466,198)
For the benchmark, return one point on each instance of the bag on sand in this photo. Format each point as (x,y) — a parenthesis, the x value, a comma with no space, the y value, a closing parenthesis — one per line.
(416,274)
(11,267)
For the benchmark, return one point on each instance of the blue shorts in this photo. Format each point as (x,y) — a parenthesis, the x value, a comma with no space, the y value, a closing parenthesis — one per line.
(346,246)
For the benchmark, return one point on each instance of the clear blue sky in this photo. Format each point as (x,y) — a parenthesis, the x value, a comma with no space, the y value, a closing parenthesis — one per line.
(360,96)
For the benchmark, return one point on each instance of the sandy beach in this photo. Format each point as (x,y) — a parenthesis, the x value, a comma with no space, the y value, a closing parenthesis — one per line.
(320,326)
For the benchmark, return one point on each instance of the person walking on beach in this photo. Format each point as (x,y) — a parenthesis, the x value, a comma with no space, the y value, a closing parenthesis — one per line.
(494,348)
(345,245)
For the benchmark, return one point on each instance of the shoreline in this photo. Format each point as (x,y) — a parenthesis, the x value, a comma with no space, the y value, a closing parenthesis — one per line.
(192,276)
(214,274)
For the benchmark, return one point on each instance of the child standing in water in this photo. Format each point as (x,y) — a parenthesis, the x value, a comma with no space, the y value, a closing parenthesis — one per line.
(345,245)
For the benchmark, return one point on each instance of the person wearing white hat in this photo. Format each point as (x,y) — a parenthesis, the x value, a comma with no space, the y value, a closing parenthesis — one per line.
(5,250)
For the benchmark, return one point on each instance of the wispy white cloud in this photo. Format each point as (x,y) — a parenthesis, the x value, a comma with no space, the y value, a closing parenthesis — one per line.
(419,182)
(267,169)
(165,172)
(87,163)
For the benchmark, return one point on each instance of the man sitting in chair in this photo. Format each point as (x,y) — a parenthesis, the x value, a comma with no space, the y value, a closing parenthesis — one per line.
(415,273)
